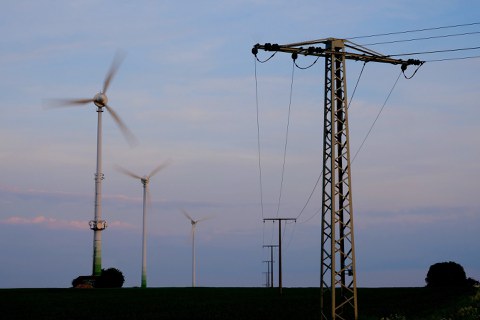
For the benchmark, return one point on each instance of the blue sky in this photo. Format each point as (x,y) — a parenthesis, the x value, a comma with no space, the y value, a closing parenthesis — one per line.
(187,90)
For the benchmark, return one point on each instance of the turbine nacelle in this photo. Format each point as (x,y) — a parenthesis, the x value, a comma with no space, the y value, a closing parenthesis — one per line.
(145,180)
(100,100)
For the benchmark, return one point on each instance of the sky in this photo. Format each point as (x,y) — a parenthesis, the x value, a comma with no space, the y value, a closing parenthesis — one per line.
(188,89)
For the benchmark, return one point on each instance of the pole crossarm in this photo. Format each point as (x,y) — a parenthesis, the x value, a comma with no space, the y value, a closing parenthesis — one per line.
(320,48)
(280,219)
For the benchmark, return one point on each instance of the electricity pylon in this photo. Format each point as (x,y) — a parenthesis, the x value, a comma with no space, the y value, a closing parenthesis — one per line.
(338,272)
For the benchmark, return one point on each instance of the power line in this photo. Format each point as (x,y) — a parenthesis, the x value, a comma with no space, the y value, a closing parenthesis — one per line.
(361,145)
(423,38)
(286,138)
(294,58)
(375,121)
(258,140)
(452,59)
(320,176)
(415,30)
(433,51)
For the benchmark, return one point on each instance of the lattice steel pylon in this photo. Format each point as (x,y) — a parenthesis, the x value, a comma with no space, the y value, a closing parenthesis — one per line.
(338,272)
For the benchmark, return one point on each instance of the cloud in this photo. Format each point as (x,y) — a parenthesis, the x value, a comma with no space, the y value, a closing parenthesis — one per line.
(53,223)
(421,216)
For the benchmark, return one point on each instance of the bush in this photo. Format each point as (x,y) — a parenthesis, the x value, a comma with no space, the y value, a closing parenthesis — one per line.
(84,282)
(446,274)
(110,278)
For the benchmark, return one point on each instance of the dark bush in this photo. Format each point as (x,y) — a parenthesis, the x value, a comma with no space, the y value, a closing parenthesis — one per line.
(84,282)
(446,274)
(75,282)
(110,278)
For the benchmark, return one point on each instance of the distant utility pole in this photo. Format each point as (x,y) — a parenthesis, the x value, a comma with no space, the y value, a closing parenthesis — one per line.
(267,283)
(337,243)
(271,246)
(280,246)
(266,278)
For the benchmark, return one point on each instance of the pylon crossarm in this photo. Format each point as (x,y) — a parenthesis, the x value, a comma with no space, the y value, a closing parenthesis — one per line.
(362,54)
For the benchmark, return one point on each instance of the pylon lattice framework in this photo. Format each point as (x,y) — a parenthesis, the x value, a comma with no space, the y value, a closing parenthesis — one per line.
(338,272)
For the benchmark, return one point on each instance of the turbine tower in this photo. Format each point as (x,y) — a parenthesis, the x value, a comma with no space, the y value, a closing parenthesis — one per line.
(194,224)
(145,180)
(100,100)
(338,270)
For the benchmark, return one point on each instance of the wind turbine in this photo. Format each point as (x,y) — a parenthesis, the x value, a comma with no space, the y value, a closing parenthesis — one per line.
(100,100)
(194,224)
(146,195)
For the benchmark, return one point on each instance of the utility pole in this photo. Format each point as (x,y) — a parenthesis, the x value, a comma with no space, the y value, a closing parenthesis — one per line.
(271,246)
(267,282)
(338,271)
(266,278)
(280,246)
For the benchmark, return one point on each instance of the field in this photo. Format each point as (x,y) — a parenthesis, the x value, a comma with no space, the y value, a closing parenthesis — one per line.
(230,303)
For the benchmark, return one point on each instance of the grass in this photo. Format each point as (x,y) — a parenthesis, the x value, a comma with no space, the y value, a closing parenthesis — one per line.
(230,303)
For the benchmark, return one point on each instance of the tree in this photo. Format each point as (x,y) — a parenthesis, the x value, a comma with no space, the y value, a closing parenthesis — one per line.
(446,274)
(110,278)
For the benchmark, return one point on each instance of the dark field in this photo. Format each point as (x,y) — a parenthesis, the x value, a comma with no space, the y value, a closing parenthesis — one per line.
(229,303)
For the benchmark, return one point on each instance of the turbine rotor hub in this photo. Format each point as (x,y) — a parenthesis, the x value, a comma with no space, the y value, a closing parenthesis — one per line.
(100,100)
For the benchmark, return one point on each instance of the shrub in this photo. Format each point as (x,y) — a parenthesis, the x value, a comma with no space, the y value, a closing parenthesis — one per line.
(110,278)
(84,282)
(446,274)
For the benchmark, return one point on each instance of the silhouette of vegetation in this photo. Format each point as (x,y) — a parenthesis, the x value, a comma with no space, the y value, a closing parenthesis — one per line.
(84,282)
(110,278)
(447,275)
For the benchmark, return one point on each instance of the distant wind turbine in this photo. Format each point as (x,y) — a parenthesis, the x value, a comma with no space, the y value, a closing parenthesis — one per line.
(100,100)
(194,224)
(146,197)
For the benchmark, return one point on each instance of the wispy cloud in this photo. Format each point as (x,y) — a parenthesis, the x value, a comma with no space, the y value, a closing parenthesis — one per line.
(417,216)
(53,223)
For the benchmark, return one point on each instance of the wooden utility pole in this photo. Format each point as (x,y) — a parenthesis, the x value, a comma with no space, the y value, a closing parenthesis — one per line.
(280,246)
(271,246)
(267,282)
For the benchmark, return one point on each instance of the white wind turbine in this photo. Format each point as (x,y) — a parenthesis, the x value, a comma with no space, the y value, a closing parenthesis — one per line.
(194,224)
(100,100)
(146,197)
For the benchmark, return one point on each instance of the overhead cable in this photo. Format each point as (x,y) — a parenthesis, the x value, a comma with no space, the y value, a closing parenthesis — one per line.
(258,141)
(433,51)
(415,30)
(321,173)
(375,121)
(286,138)
(422,38)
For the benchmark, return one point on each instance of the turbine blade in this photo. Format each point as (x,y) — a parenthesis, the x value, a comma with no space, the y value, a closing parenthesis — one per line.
(60,103)
(185,213)
(117,61)
(127,172)
(125,131)
(158,168)
(206,218)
